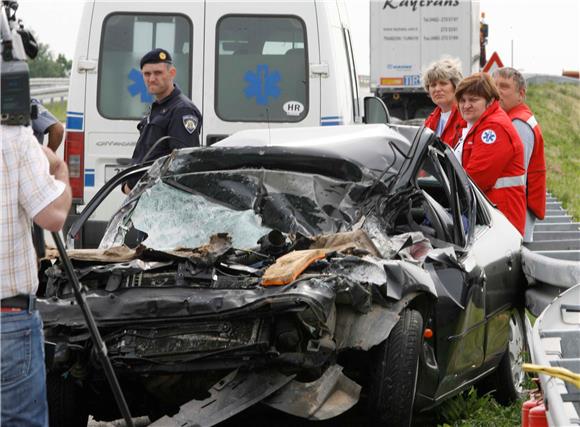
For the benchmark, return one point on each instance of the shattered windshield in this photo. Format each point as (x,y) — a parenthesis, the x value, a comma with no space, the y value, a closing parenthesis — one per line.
(185,210)
(173,218)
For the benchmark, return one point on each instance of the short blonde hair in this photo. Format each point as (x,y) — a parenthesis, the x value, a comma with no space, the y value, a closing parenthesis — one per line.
(478,84)
(445,69)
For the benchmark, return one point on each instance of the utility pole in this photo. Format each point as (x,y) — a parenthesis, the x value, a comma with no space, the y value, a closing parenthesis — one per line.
(512,61)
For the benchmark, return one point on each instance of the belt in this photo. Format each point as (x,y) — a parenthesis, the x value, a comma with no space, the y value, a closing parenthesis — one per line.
(18,303)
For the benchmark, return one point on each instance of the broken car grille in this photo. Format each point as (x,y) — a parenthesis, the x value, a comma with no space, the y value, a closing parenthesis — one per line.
(176,340)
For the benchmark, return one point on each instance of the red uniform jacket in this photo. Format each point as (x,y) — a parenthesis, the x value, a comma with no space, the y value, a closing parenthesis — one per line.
(493,156)
(536,173)
(453,127)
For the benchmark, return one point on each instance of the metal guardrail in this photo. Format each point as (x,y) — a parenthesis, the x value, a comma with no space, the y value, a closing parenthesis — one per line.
(559,235)
(49,81)
(49,90)
(551,262)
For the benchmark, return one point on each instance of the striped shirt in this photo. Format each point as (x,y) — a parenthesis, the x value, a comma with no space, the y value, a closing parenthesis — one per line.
(26,189)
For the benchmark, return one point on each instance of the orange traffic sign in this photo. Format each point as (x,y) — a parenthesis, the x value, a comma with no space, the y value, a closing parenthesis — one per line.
(493,63)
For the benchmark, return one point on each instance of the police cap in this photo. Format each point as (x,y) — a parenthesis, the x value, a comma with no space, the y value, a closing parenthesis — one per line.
(156,56)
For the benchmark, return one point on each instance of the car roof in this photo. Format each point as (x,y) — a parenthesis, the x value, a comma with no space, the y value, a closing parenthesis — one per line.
(366,145)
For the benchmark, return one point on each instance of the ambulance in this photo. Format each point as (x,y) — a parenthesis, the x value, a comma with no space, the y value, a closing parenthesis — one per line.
(244,64)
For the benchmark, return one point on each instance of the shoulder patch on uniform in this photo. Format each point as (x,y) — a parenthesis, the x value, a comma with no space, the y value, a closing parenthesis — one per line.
(190,123)
(488,136)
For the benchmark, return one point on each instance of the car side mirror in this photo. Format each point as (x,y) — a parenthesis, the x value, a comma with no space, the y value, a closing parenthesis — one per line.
(375,111)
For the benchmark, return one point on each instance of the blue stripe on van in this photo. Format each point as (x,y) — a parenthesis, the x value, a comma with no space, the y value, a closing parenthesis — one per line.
(89,177)
(74,122)
(331,121)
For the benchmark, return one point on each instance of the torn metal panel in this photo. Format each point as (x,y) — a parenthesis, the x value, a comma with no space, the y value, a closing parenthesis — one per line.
(346,242)
(329,396)
(413,247)
(113,254)
(218,244)
(363,331)
(231,395)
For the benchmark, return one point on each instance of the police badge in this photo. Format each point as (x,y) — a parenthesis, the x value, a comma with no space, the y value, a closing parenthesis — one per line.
(190,123)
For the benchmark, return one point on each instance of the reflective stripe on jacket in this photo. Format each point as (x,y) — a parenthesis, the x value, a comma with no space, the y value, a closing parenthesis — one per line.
(536,173)
(453,127)
(493,156)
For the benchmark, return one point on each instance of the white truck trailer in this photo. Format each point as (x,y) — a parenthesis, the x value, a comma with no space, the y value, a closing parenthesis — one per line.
(406,36)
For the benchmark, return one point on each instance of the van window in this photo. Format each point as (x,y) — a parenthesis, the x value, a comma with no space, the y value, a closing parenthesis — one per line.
(122,93)
(262,72)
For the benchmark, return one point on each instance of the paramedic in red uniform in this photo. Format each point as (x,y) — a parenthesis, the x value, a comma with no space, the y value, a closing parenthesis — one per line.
(512,93)
(440,80)
(490,149)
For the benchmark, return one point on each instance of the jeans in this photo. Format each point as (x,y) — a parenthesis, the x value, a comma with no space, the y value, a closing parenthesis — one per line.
(23,379)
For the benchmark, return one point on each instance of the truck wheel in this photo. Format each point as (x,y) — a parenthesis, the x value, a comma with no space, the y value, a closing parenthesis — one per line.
(394,371)
(66,406)
(508,379)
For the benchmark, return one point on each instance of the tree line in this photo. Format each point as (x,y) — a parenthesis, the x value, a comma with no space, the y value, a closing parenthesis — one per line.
(47,65)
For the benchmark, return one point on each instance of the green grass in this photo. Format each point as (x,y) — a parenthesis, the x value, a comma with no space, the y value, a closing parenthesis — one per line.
(58,109)
(469,409)
(557,109)
(472,410)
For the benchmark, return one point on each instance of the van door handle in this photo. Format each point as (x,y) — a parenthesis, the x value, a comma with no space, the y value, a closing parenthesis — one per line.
(86,65)
(319,70)
(123,161)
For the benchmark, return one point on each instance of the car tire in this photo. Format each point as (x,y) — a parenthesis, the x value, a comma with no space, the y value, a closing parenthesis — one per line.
(394,371)
(508,380)
(66,406)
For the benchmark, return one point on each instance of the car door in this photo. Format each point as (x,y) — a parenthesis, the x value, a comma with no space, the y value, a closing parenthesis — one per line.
(460,310)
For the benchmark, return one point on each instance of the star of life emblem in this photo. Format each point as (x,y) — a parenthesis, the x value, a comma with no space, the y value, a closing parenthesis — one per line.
(488,136)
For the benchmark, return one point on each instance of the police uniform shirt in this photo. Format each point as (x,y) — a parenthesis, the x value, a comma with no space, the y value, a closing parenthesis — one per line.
(174,116)
(43,121)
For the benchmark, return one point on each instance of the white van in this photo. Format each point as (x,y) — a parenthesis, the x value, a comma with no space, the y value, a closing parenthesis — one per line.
(245,65)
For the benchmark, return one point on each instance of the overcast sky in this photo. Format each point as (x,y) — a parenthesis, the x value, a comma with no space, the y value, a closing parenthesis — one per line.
(545,33)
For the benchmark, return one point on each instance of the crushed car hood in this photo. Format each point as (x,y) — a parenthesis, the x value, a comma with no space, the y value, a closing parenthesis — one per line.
(125,285)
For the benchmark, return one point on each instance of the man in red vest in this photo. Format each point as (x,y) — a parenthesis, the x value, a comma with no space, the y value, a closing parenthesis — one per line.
(512,91)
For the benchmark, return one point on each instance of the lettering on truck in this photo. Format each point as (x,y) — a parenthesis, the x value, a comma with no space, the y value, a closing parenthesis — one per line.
(393,4)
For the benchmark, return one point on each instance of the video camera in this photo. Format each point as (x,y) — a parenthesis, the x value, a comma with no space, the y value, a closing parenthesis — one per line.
(17,45)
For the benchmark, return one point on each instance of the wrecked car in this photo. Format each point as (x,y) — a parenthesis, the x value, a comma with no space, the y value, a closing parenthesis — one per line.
(307,269)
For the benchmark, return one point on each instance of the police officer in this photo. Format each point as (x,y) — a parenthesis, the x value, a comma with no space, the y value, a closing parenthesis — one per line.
(46,123)
(171,114)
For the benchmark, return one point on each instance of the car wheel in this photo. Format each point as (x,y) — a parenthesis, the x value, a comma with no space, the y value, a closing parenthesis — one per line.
(66,406)
(508,380)
(394,371)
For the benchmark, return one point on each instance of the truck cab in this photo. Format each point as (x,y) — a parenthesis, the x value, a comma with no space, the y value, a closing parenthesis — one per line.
(406,37)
